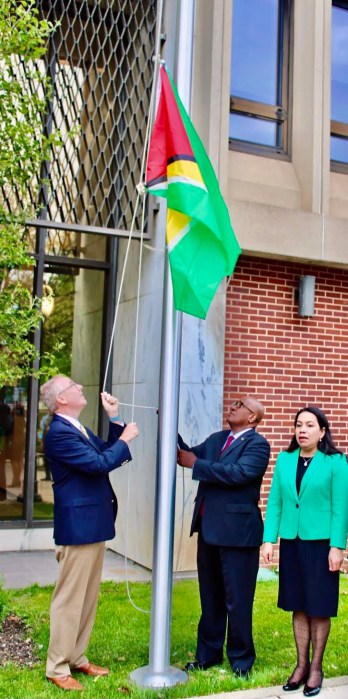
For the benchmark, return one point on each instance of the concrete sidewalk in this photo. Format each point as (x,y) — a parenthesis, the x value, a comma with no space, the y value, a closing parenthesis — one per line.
(24,568)
(333,688)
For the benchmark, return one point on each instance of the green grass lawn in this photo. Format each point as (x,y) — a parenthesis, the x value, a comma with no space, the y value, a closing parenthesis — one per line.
(121,637)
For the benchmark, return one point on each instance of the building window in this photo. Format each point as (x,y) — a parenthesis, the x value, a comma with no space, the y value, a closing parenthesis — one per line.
(259,91)
(76,273)
(339,86)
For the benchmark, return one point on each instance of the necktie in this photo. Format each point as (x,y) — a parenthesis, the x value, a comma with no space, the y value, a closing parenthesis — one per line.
(84,431)
(229,441)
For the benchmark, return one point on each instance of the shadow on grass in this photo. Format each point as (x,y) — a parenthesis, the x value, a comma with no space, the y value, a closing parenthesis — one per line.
(120,641)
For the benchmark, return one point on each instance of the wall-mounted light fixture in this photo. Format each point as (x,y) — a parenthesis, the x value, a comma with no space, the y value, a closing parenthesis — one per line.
(306,296)
(47,301)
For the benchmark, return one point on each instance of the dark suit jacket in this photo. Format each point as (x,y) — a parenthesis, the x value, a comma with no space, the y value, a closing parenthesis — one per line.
(85,504)
(229,488)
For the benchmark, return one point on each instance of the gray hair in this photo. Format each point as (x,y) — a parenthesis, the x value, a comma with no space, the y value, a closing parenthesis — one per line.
(50,390)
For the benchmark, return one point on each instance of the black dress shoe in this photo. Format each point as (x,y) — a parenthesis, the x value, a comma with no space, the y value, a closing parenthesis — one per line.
(199,665)
(244,674)
(313,691)
(292,686)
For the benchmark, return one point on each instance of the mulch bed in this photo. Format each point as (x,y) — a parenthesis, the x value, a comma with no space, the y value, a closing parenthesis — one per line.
(16,646)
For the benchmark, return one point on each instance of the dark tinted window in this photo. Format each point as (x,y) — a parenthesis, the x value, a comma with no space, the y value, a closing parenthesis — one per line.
(339,83)
(259,75)
(254,60)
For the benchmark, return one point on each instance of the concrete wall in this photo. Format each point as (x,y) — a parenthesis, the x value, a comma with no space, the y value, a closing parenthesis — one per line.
(296,209)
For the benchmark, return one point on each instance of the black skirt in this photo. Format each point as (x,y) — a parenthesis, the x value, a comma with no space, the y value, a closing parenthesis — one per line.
(305,582)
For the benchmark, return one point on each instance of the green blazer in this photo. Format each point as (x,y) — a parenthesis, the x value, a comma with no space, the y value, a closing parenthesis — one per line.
(320,511)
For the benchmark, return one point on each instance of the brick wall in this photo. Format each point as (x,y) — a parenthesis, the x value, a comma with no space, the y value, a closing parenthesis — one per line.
(285,360)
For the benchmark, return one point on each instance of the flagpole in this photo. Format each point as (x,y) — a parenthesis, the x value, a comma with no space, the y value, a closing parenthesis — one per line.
(159,672)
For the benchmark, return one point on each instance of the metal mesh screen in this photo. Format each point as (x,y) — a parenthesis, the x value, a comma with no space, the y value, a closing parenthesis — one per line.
(99,60)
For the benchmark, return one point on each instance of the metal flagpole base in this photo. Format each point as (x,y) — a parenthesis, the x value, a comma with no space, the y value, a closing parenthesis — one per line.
(147,677)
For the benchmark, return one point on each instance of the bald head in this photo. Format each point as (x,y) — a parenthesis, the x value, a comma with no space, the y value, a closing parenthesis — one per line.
(253,404)
(245,411)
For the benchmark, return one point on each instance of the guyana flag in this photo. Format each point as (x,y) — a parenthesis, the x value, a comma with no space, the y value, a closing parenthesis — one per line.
(202,247)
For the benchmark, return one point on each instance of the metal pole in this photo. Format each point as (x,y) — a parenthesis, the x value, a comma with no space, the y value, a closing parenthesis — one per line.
(159,673)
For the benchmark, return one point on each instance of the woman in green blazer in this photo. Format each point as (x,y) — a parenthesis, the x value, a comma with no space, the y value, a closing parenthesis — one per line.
(308,509)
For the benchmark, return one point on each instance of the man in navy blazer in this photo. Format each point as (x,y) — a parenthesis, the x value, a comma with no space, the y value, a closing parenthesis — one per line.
(85,509)
(229,466)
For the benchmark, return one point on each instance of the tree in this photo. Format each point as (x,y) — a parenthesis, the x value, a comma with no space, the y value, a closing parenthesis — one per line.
(23,149)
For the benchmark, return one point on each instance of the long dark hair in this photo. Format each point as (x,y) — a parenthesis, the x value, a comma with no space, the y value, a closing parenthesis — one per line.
(326,444)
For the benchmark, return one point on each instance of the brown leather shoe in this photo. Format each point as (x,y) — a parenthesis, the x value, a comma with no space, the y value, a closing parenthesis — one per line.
(66,682)
(93,670)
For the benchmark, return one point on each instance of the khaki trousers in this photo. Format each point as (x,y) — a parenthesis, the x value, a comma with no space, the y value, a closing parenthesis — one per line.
(73,606)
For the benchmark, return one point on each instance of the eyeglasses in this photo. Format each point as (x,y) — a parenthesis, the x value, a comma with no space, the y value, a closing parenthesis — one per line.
(72,383)
(239,404)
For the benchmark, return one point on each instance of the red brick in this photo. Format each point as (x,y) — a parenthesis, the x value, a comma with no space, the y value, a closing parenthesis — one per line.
(286,360)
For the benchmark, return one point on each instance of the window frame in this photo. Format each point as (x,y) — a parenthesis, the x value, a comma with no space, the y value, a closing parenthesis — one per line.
(279,113)
(60,262)
(338,129)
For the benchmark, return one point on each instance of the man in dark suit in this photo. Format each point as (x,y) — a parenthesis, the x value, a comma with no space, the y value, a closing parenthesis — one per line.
(85,509)
(229,466)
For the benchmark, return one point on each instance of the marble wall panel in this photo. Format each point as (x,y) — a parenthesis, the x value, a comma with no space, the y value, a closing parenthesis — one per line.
(134,483)
(147,353)
(152,267)
(203,345)
(200,404)
(184,558)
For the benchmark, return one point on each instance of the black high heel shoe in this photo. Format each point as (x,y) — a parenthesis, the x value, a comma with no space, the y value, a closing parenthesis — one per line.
(292,686)
(313,691)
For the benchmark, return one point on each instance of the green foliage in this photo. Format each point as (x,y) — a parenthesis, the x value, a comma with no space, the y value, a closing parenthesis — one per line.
(4,602)
(23,144)
(120,640)
(20,29)
(19,315)
(23,149)
(13,252)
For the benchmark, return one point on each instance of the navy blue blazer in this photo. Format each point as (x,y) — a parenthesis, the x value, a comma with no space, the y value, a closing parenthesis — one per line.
(85,505)
(229,488)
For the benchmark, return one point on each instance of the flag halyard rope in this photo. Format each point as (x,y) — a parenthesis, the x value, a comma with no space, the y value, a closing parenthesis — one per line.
(141,194)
